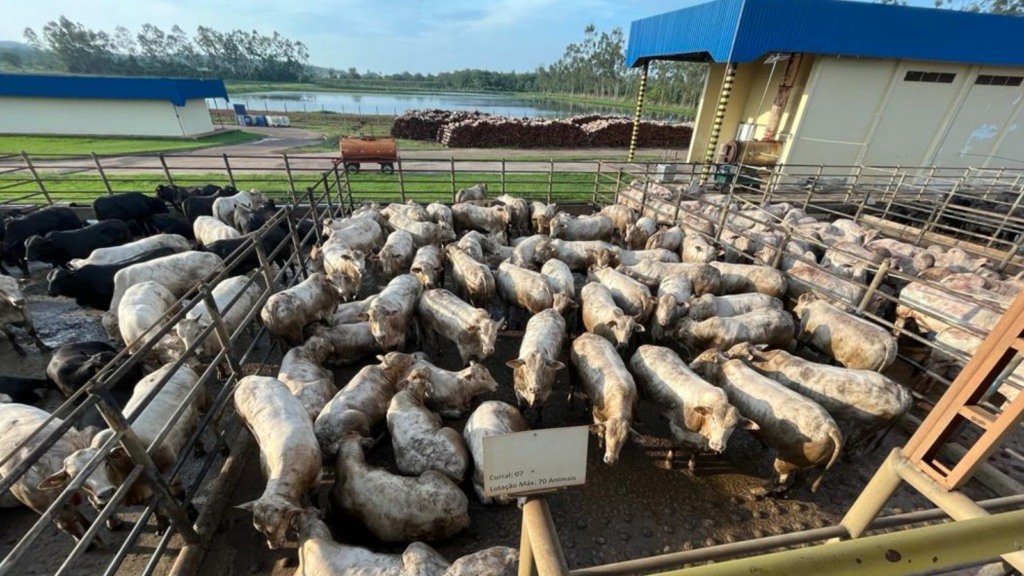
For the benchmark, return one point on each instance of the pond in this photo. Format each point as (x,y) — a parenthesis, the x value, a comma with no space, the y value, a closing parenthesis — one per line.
(395,103)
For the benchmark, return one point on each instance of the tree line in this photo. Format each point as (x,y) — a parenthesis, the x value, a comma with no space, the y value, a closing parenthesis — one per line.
(210,53)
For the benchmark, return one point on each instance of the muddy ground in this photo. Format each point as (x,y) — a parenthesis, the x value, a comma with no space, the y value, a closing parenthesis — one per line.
(640,507)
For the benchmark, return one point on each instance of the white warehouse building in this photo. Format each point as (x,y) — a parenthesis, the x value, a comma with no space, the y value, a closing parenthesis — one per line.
(833,82)
(106,105)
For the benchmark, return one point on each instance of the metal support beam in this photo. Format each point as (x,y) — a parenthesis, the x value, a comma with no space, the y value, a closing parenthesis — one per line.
(927,549)
(639,110)
(716,124)
(540,551)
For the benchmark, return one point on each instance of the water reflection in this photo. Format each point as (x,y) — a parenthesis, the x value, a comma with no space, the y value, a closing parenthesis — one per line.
(394,103)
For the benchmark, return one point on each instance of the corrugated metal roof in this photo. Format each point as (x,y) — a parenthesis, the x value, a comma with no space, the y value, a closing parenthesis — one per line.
(175,90)
(745,30)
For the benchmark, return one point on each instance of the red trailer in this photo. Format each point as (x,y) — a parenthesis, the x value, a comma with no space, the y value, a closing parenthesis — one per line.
(356,150)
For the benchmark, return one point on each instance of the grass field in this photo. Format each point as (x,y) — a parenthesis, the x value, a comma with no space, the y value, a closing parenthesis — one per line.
(367,186)
(83,145)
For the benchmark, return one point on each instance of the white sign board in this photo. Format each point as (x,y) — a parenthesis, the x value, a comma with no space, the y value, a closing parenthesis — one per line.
(535,460)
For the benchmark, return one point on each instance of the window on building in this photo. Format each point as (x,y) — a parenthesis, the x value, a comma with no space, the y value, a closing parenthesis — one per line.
(992,80)
(933,77)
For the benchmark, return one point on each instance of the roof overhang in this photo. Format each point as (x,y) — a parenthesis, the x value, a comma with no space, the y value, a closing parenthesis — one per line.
(175,90)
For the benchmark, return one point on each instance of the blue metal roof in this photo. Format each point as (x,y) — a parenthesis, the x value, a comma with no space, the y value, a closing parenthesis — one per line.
(174,90)
(745,30)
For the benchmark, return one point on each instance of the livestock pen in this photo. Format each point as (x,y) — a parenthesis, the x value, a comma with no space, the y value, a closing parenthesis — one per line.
(636,510)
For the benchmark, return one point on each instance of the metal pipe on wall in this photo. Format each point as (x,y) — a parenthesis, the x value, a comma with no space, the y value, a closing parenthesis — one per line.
(716,125)
(639,110)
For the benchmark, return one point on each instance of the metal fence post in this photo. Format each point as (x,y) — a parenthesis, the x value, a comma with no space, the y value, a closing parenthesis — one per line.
(297,243)
(35,176)
(348,186)
(597,180)
(138,453)
(312,208)
(812,188)
(850,187)
(1009,214)
(167,171)
(401,181)
(892,198)
(502,175)
(337,183)
(551,177)
(618,185)
(231,175)
(327,192)
(261,254)
(221,329)
(288,171)
(883,269)
(103,175)
(453,178)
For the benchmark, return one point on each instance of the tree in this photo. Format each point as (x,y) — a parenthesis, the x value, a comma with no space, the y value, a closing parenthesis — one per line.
(1007,7)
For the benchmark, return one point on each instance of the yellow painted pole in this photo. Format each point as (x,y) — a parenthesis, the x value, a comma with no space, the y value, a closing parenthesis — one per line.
(926,549)
(716,123)
(639,110)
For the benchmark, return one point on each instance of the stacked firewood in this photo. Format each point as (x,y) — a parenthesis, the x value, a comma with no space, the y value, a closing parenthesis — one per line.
(426,124)
(500,132)
(477,130)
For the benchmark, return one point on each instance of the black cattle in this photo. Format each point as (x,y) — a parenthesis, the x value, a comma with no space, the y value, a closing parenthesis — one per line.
(93,285)
(132,207)
(177,195)
(197,206)
(57,248)
(271,239)
(74,365)
(18,230)
(173,224)
(25,390)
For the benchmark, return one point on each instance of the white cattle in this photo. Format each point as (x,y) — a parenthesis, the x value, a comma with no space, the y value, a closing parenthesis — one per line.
(235,298)
(396,508)
(602,317)
(145,307)
(471,329)
(534,371)
(117,254)
(289,454)
(610,389)
(208,230)
(287,313)
(419,439)
(492,418)
(224,208)
(303,373)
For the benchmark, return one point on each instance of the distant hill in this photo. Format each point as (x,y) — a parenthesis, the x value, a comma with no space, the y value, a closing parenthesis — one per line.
(15,45)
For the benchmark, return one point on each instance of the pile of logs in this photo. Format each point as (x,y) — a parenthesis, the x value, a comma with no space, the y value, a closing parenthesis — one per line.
(478,130)
(501,132)
(616,133)
(427,124)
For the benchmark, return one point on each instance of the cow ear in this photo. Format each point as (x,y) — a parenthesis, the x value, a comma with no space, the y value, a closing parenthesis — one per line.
(610,323)
(248,506)
(555,365)
(515,363)
(55,481)
(639,327)
(747,424)
(597,429)
(702,410)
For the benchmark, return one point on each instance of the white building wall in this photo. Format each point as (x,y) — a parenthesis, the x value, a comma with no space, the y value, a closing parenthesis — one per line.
(194,117)
(864,112)
(67,116)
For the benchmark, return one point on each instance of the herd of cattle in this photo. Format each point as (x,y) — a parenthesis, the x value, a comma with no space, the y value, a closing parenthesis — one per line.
(664,316)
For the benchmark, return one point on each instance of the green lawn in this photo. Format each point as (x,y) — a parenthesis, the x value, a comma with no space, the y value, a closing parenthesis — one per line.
(366,186)
(83,145)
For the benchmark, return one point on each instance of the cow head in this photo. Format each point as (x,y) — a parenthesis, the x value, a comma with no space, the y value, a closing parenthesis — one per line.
(189,330)
(534,376)
(100,486)
(485,332)
(387,327)
(39,249)
(395,364)
(256,198)
(59,282)
(707,281)
(10,293)
(559,224)
(715,424)
(614,431)
(476,379)
(622,327)
(272,515)
(702,308)
(318,348)
(805,300)
(418,383)
(707,364)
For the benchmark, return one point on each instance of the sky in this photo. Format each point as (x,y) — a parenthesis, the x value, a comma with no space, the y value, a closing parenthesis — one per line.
(386,36)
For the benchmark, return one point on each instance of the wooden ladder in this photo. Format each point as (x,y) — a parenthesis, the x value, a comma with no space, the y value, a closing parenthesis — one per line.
(962,404)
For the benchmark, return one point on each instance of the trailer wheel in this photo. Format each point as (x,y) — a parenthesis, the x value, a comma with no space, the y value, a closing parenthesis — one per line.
(387,168)
(352,167)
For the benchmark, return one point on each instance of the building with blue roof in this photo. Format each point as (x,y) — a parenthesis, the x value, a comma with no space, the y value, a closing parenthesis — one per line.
(811,82)
(106,105)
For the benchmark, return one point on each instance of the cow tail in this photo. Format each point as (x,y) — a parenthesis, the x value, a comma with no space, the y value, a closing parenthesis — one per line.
(837,441)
